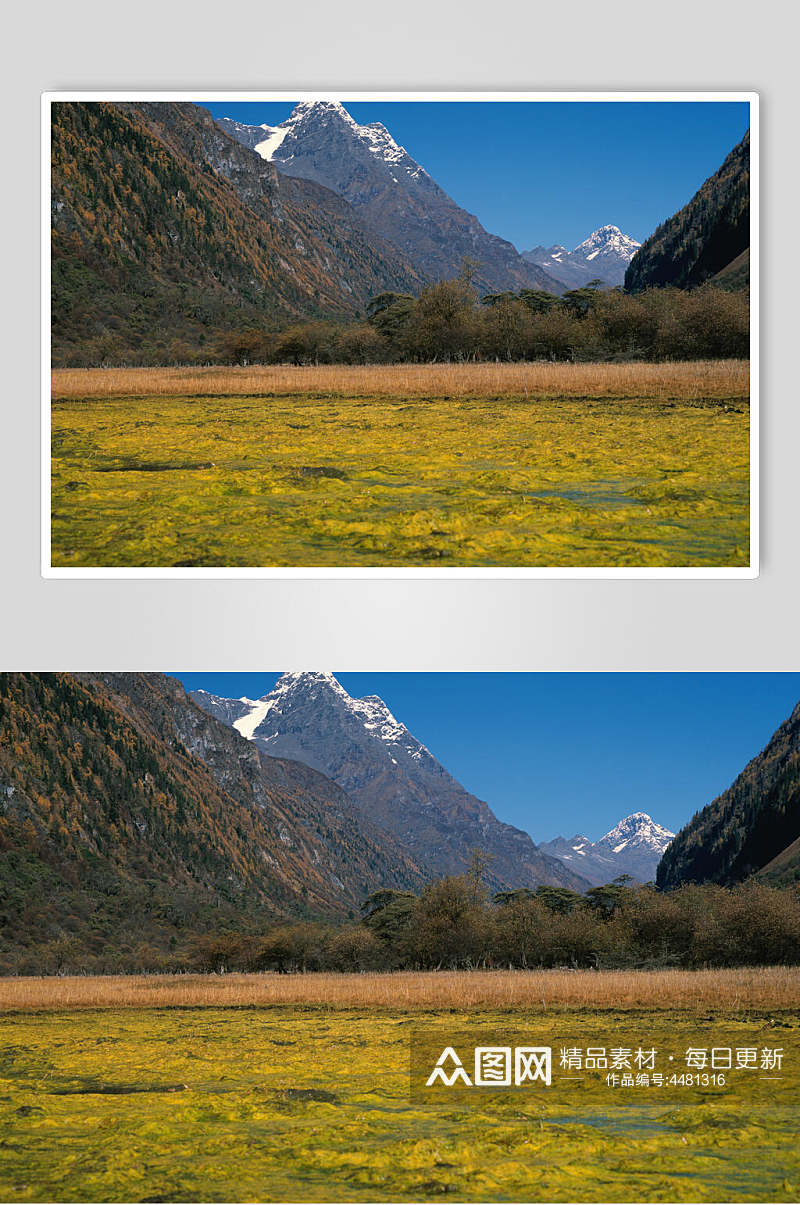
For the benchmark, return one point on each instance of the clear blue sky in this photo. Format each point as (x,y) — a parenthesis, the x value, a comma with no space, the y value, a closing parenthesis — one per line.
(551,172)
(558,754)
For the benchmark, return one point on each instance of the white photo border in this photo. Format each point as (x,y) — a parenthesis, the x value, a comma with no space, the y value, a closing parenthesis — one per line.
(48,570)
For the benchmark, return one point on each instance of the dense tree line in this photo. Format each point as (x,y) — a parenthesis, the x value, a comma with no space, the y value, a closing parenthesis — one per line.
(453,924)
(447,321)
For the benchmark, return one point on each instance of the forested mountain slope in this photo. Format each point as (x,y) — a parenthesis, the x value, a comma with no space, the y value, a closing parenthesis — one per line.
(128,815)
(166,232)
(749,825)
(704,237)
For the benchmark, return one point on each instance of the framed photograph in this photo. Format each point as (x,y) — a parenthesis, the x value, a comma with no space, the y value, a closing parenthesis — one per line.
(400,334)
(372,937)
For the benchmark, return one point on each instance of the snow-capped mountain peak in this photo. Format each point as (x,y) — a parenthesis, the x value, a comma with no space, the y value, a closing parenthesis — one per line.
(370,713)
(378,719)
(389,774)
(306,679)
(604,255)
(304,107)
(607,240)
(637,831)
(633,847)
(281,142)
(390,192)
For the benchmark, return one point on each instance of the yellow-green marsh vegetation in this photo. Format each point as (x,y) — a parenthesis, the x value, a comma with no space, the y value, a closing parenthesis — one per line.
(301,1104)
(438,466)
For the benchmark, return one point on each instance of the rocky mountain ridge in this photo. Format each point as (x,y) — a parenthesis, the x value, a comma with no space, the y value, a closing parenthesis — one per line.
(394,779)
(393,194)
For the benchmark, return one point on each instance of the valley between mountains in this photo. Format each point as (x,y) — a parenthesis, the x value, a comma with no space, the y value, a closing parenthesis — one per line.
(170,228)
(231,925)
(136,817)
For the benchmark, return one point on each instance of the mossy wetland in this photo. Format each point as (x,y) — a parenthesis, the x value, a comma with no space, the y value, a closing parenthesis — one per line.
(313,1104)
(449,478)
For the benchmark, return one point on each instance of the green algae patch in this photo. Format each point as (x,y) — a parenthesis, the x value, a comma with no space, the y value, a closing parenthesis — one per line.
(291,1104)
(309,480)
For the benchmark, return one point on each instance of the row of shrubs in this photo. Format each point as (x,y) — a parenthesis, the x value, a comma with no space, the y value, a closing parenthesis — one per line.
(448,322)
(453,924)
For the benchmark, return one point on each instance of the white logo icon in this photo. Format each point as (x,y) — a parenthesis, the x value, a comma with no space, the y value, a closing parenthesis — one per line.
(440,1073)
(494,1066)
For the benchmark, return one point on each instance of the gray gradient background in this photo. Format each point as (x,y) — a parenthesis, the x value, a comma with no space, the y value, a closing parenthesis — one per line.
(397,624)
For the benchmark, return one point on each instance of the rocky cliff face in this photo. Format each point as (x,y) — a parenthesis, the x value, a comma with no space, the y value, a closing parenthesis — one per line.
(394,779)
(391,192)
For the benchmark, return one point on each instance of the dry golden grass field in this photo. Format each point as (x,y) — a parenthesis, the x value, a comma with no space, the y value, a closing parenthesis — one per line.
(734,989)
(698,378)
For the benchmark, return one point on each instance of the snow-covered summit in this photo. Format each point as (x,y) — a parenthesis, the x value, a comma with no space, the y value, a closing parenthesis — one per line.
(309,689)
(604,255)
(378,719)
(394,779)
(633,847)
(282,142)
(390,192)
(637,831)
(607,240)
(307,679)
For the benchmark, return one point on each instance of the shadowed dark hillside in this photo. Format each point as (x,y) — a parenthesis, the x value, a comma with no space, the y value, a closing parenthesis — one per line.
(705,237)
(749,825)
